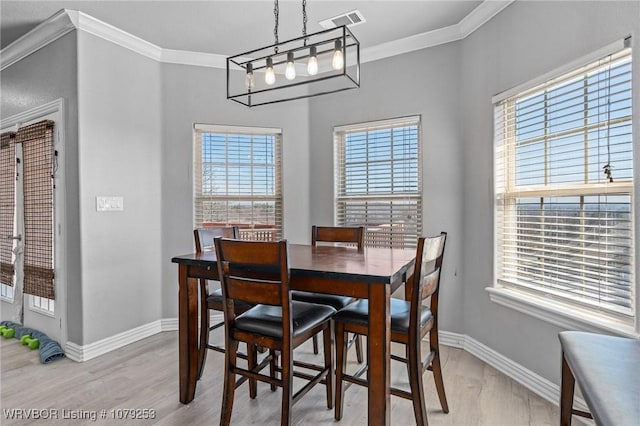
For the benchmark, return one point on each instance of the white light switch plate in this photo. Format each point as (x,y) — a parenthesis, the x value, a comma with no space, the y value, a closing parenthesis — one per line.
(109,204)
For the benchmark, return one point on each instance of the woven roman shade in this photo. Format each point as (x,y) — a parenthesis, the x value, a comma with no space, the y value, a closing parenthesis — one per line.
(7,205)
(37,148)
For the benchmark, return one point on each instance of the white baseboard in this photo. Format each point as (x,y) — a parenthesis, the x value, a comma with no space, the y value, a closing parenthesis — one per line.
(82,353)
(454,340)
(527,378)
(534,382)
(169,324)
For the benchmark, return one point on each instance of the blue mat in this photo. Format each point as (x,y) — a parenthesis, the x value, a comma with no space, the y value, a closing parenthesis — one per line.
(50,350)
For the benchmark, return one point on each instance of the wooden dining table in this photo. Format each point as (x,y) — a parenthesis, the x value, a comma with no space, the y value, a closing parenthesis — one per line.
(371,273)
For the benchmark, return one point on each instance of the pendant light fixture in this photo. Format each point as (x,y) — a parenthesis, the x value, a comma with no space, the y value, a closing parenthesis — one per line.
(315,64)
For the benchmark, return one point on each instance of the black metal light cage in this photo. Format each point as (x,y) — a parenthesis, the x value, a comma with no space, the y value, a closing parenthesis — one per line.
(327,80)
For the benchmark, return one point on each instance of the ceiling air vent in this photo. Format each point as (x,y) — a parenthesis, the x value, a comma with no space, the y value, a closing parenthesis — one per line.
(349,19)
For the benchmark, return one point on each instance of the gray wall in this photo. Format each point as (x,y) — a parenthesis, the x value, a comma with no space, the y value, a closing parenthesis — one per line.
(524,41)
(198,95)
(42,77)
(120,133)
(426,83)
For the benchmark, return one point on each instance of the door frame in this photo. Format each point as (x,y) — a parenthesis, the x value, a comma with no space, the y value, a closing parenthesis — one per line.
(56,111)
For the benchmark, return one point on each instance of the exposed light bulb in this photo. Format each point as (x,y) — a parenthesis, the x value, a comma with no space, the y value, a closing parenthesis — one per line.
(338,58)
(249,82)
(290,70)
(312,65)
(269,76)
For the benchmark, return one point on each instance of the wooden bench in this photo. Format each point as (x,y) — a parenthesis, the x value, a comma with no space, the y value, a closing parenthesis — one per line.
(607,370)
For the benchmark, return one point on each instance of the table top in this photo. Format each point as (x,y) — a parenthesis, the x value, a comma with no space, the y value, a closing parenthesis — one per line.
(375,264)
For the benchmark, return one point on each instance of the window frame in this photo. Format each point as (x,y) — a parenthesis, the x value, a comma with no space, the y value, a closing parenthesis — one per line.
(339,136)
(246,233)
(552,310)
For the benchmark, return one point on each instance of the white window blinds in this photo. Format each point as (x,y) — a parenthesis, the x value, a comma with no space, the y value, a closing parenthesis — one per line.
(379,180)
(237,180)
(564,188)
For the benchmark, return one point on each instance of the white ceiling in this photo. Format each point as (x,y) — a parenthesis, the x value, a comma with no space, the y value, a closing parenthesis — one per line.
(231,27)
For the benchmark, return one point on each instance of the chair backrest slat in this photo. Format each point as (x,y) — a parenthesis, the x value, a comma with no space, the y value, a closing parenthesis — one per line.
(425,282)
(338,234)
(254,291)
(253,271)
(204,236)
(433,250)
(429,284)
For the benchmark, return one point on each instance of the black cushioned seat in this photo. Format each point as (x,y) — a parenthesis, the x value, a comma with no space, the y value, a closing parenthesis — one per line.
(607,369)
(266,320)
(358,313)
(338,302)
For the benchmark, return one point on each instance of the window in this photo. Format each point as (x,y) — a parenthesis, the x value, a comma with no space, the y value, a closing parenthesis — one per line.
(6,292)
(43,304)
(379,180)
(237,180)
(564,189)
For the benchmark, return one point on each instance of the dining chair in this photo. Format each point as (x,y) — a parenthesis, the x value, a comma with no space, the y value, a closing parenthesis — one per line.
(257,273)
(210,301)
(334,234)
(410,322)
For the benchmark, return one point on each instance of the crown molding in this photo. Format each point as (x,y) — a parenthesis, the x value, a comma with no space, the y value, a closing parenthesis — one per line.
(480,16)
(48,31)
(201,59)
(410,44)
(108,32)
(474,20)
(66,21)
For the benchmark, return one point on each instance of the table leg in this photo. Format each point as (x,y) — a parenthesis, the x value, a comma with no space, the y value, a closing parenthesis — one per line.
(188,334)
(379,355)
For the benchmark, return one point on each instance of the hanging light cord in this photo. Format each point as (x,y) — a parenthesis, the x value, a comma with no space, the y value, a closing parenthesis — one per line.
(304,20)
(276,14)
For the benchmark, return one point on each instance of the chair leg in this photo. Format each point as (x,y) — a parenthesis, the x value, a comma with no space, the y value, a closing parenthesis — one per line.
(415,381)
(567,387)
(229,383)
(328,362)
(252,362)
(287,388)
(204,328)
(315,344)
(341,365)
(359,348)
(273,363)
(437,369)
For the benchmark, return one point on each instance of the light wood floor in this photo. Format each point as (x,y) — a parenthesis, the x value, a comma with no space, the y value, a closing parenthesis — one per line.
(144,375)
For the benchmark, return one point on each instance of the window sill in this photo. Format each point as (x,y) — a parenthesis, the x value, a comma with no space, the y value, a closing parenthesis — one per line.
(557,313)
(41,311)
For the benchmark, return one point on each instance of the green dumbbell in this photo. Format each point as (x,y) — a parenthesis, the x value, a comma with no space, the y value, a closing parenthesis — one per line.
(28,341)
(2,328)
(8,333)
